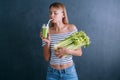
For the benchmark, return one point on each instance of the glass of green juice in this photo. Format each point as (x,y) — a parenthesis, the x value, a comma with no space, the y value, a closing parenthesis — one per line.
(44,30)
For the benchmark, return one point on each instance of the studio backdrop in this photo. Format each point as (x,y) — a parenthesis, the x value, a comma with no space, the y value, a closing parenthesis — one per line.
(21,55)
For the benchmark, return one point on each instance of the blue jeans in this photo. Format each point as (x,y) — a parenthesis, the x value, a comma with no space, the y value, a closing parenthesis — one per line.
(64,74)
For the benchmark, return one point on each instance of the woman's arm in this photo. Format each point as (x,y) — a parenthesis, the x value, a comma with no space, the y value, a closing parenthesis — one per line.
(63,51)
(46,51)
(77,52)
(46,47)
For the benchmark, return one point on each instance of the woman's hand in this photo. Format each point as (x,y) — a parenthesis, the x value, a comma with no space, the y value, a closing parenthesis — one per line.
(47,40)
(61,52)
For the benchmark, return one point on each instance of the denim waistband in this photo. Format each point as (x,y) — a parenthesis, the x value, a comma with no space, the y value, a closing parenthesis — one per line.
(66,70)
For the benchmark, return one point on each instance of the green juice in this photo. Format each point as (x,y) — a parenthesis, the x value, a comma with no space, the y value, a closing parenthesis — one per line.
(44,31)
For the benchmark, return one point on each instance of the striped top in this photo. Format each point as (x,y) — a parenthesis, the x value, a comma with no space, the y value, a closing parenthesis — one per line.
(55,38)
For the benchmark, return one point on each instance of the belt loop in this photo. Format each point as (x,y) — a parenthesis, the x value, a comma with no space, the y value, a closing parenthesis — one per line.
(65,71)
(60,71)
(54,70)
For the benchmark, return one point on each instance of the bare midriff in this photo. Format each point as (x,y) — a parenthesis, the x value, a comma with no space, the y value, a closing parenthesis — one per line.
(62,66)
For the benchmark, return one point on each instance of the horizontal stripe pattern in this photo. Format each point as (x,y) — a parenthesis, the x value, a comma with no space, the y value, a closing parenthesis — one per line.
(55,38)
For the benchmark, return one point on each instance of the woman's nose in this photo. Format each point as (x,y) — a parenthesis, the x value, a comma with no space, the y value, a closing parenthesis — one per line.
(52,16)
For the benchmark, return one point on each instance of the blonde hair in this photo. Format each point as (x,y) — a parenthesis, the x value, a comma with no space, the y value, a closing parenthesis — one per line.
(60,6)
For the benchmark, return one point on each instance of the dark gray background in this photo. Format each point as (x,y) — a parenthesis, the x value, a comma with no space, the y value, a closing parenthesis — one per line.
(21,56)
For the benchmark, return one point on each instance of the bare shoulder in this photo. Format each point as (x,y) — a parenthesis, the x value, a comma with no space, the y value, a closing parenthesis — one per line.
(71,27)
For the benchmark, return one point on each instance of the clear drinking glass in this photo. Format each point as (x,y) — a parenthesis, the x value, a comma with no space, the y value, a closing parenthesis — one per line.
(44,30)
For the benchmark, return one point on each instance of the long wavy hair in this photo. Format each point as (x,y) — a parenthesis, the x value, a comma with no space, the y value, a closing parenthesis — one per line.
(59,5)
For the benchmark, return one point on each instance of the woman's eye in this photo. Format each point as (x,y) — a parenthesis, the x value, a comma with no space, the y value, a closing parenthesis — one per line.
(50,13)
(55,13)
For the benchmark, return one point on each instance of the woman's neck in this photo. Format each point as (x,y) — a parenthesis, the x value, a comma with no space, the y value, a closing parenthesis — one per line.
(59,27)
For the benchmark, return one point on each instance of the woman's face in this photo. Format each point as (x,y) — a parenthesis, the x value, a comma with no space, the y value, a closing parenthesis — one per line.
(56,14)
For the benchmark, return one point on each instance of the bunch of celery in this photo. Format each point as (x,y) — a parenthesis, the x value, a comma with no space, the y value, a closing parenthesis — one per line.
(74,41)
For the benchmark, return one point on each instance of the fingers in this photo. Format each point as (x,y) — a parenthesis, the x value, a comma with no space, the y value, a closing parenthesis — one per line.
(41,35)
(48,36)
(60,48)
(45,39)
(59,53)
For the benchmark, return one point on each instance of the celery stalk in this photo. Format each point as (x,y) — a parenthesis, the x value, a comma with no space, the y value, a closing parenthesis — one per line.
(63,43)
(74,41)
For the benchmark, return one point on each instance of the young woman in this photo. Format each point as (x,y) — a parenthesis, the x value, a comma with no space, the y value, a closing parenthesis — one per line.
(59,68)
